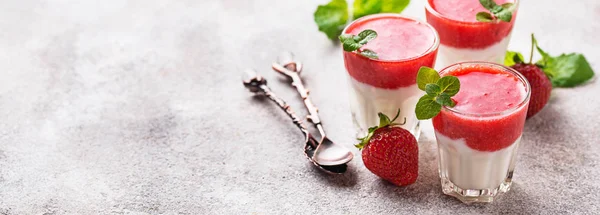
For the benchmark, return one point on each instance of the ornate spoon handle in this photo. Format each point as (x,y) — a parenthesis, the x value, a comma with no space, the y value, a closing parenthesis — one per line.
(313,111)
(285,107)
(258,84)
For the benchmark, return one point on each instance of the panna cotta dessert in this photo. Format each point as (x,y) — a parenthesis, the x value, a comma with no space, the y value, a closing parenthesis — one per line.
(462,37)
(478,138)
(388,83)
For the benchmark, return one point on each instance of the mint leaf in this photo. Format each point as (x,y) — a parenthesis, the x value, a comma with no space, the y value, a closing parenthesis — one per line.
(426,76)
(512,58)
(367,7)
(507,5)
(332,18)
(350,46)
(354,42)
(488,4)
(484,17)
(569,70)
(427,108)
(566,70)
(369,53)
(496,9)
(449,85)
(439,92)
(365,36)
(432,89)
(349,43)
(445,100)
(502,12)
(394,6)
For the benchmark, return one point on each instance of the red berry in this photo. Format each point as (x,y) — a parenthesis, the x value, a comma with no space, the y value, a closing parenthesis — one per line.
(393,154)
(540,86)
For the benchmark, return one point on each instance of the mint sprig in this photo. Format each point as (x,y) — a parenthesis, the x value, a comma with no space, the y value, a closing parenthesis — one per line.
(354,42)
(512,58)
(502,12)
(332,17)
(367,7)
(439,92)
(384,121)
(565,70)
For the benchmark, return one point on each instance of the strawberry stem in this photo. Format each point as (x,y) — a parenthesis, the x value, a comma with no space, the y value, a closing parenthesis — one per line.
(397,115)
(531,52)
(384,121)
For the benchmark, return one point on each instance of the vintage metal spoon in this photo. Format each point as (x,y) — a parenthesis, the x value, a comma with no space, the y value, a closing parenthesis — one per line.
(327,153)
(257,84)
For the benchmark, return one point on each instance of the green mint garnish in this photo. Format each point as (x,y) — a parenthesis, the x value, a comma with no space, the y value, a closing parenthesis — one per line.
(512,58)
(502,12)
(384,121)
(484,17)
(565,70)
(367,7)
(369,53)
(354,42)
(333,16)
(439,92)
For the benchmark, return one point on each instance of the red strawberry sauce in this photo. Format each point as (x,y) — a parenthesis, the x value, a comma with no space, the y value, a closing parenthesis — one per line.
(456,23)
(490,107)
(403,46)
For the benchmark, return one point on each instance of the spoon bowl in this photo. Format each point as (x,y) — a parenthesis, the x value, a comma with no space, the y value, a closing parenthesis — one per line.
(329,153)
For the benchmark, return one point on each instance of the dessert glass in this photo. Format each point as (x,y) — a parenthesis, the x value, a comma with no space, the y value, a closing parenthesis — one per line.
(389,83)
(462,37)
(478,149)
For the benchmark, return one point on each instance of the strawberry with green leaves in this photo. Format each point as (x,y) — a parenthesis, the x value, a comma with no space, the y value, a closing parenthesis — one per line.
(566,70)
(391,152)
(539,82)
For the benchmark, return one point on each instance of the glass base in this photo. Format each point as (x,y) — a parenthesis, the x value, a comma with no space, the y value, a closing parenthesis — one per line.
(469,196)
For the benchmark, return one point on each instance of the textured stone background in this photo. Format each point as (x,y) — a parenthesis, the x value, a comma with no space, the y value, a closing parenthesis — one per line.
(136,107)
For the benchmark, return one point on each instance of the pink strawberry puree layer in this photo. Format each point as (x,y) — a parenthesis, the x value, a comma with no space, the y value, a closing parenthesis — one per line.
(484,90)
(462,10)
(458,27)
(403,45)
(397,38)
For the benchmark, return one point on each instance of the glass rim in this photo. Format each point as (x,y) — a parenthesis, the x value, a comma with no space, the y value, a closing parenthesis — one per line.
(498,66)
(434,46)
(430,9)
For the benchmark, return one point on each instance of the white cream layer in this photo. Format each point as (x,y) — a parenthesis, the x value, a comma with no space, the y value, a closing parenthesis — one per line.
(450,55)
(366,101)
(472,169)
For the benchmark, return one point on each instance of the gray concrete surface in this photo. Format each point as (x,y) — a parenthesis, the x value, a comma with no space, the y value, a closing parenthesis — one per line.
(136,107)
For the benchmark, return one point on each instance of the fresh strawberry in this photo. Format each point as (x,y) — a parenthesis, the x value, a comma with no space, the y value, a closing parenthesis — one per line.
(540,86)
(391,152)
